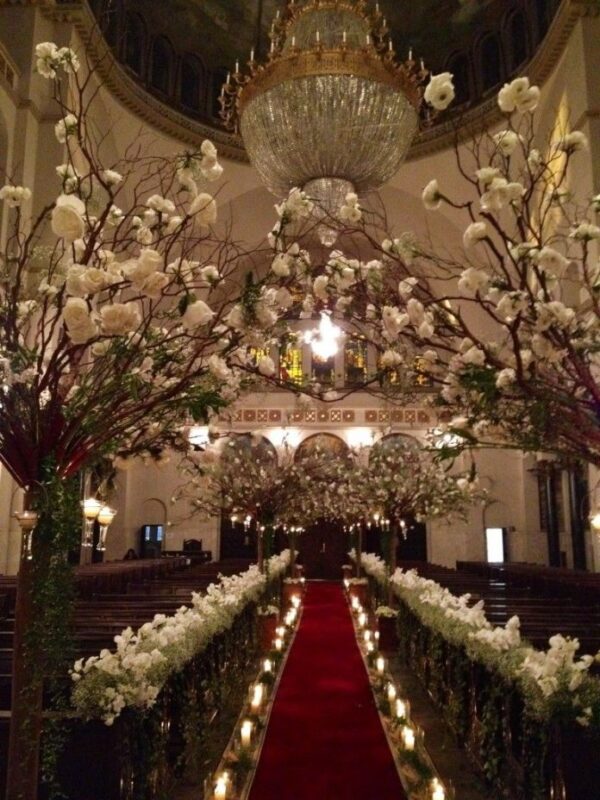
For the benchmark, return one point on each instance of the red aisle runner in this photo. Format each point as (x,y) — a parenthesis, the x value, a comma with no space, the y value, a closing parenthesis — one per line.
(325,740)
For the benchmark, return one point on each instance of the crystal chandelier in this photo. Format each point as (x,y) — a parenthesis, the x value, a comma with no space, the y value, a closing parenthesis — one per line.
(332,110)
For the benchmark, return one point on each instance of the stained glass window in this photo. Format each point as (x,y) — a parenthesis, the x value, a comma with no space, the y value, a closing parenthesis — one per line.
(290,363)
(323,369)
(355,363)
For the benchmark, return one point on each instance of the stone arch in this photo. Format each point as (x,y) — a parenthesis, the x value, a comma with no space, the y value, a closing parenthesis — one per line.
(261,448)
(154,511)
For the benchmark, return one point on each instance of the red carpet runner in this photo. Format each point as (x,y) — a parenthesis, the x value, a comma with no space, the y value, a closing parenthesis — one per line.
(325,740)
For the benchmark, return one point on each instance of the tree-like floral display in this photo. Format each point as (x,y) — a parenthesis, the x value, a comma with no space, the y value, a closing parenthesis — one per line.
(507,325)
(123,313)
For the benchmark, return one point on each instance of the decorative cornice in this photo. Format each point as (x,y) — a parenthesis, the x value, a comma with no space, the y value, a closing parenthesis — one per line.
(413,417)
(182,128)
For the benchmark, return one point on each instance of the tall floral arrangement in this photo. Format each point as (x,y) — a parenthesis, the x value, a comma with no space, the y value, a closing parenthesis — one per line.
(504,325)
(123,313)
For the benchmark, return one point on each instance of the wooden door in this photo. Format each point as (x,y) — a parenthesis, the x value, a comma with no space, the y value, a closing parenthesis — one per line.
(322,549)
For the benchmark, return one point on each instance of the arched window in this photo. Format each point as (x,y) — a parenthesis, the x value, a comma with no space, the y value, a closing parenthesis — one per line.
(518,47)
(490,59)
(543,15)
(161,65)
(396,443)
(135,43)
(244,443)
(458,65)
(191,83)
(109,21)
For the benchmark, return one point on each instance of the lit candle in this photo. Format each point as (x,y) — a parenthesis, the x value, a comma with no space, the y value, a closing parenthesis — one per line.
(252,54)
(367,636)
(400,709)
(344,37)
(280,631)
(237,66)
(422,64)
(278,644)
(362,619)
(370,647)
(380,664)
(303,580)
(376,636)
(368,38)
(257,697)
(267,665)
(391,46)
(295,601)
(391,692)
(408,738)
(437,790)
(346,584)
(410,54)
(228,81)
(246,732)
(221,789)
(318,37)
(272,48)
(355,603)
(293,41)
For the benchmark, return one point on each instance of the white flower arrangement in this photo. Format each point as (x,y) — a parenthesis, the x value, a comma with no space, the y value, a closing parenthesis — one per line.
(552,679)
(134,673)
(386,611)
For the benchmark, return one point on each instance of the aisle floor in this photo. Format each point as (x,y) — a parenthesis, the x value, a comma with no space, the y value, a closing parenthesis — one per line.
(325,740)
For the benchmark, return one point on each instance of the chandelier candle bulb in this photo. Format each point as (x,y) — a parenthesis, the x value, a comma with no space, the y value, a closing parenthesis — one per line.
(380,664)
(246,732)
(400,709)
(408,738)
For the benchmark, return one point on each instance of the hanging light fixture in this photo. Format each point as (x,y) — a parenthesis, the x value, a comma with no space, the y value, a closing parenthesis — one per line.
(324,339)
(332,111)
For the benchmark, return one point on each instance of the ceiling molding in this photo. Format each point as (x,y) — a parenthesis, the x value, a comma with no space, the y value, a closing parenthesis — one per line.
(177,125)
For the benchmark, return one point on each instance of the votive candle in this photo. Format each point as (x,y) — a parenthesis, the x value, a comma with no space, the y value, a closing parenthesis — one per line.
(267,665)
(278,644)
(400,709)
(380,664)
(257,696)
(437,790)
(391,692)
(295,601)
(280,631)
(367,636)
(246,732)
(408,737)
(362,619)
(370,647)
(221,789)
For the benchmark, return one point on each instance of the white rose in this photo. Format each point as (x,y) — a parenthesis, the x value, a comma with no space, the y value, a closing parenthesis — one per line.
(320,284)
(505,378)
(550,260)
(13,196)
(266,366)
(506,142)
(390,358)
(140,269)
(93,280)
(154,285)
(585,231)
(210,274)
(440,91)
(110,177)
(574,141)
(160,204)
(65,127)
(67,219)
(431,197)
(196,314)
(204,208)
(78,320)
(474,233)
(280,265)
(219,368)
(518,95)
(119,318)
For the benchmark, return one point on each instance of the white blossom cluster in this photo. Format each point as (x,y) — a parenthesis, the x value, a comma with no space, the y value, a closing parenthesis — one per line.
(554,673)
(133,674)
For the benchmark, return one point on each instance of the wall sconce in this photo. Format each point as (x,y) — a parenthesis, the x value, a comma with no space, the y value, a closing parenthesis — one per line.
(105,517)
(91,509)
(27,521)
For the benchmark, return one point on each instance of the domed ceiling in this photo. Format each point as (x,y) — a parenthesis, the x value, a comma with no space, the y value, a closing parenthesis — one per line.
(221,31)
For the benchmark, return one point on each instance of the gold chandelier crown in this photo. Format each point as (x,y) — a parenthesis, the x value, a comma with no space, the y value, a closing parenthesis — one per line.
(332,110)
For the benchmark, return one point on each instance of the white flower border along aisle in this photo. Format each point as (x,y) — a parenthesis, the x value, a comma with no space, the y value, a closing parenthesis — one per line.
(134,674)
(555,684)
